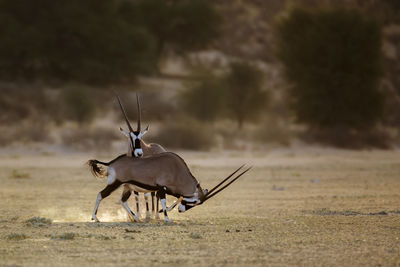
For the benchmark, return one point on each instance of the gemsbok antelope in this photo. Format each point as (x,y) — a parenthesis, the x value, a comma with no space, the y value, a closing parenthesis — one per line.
(146,150)
(166,173)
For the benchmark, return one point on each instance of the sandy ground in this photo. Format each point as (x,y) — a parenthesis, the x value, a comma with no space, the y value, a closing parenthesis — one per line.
(313,207)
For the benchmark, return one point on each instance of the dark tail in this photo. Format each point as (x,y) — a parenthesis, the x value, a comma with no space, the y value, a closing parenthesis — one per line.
(96,170)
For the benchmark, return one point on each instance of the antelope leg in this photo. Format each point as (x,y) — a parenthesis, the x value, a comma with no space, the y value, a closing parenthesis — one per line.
(137,203)
(161,195)
(146,198)
(124,199)
(175,203)
(103,194)
(157,216)
(126,193)
(152,201)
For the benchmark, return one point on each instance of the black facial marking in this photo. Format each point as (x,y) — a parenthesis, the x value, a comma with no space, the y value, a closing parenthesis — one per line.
(137,143)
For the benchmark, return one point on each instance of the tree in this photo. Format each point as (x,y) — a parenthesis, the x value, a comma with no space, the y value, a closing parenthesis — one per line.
(244,95)
(183,26)
(333,60)
(205,99)
(86,41)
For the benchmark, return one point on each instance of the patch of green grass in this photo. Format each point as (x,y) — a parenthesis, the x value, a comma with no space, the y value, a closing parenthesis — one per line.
(195,235)
(99,236)
(15,174)
(104,237)
(13,219)
(64,236)
(17,236)
(38,222)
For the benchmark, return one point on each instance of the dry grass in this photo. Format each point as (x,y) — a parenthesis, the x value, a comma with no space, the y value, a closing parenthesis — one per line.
(335,208)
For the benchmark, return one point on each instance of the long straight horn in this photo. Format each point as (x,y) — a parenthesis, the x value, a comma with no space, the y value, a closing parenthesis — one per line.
(123,112)
(208,196)
(223,181)
(139,112)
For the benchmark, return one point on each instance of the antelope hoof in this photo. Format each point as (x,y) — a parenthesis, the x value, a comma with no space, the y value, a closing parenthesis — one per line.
(157,216)
(94,218)
(136,219)
(148,215)
(167,220)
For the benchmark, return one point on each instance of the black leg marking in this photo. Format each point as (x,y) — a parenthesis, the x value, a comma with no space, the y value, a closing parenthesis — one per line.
(161,195)
(103,194)
(137,201)
(157,204)
(109,189)
(125,195)
(152,201)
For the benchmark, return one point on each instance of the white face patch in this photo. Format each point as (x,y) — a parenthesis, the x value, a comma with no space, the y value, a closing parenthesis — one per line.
(138,152)
(193,200)
(133,136)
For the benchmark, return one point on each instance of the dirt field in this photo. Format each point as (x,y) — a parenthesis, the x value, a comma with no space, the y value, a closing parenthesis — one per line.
(311,207)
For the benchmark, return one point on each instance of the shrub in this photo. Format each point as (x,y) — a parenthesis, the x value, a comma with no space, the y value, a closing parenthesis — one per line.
(87,41)
(38,222)
(333,60)
(84,138)
(15,174)
(181,25)
(244,93)
(64,236)
(204,100)
(155,106)
(350,138)
(185,133)
(17,236)
(273,130)
(78,104)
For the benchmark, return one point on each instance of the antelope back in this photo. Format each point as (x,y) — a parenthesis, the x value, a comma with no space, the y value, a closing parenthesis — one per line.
(164,169)
(152,149)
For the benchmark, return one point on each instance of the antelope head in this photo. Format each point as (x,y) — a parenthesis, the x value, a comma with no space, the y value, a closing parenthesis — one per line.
(134,136)
(202,195)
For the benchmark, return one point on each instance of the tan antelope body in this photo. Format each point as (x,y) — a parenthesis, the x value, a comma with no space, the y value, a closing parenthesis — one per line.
(145,172)
(163,172)
(137,148)
(148,150)
(166,173)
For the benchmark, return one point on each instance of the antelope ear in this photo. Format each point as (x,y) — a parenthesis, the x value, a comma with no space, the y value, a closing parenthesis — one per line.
(145,130)
(124,132)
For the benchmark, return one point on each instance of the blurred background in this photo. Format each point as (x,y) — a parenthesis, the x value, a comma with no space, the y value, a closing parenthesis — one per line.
(212,75)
